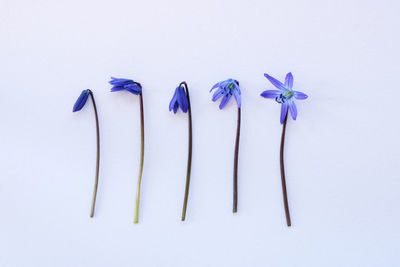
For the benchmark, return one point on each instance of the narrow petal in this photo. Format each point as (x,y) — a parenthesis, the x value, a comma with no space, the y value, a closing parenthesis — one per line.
(284,110)
(173,101)
(175,108)
(275,82)
(117,88)
(271,93)
(215,86)
(289,80)
(225,101)
(182,98)
(300,95)
(293,109)
(218,94)
(236,94)
(133,88)
(81,101)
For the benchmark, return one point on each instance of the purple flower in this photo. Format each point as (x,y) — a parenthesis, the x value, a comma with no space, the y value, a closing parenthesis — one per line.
(285,95)
(179,100)
(226,89)
(125,84)
(81,101)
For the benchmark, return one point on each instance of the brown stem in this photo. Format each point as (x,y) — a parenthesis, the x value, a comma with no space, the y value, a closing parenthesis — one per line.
(96,181)
(235,165)
(189,162)
(285,200)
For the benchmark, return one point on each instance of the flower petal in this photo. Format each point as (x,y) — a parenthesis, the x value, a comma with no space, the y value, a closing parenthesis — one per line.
(81,101)
(236,94)
(293,109)
(215,86)
(271,93)
(182,98)
(218,94)
(300,95)
(133,88)
(284,110)
(117,88)
(275,82)
(225,101)
(289,80)
(173,101)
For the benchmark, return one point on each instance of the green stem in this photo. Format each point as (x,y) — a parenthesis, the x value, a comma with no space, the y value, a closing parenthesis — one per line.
(96,180)
(136,217)
(284,191)
(189,162)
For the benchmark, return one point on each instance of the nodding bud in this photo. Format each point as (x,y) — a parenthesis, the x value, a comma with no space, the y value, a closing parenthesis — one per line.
(81,101)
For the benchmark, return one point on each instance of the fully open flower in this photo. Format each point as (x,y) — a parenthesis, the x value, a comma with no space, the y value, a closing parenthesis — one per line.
(226,89)
(179,100)
(285,95)
(125,84)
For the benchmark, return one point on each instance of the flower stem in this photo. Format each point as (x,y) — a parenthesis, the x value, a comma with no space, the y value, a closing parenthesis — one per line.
(96,180)
(136,217)
(285,200)
(235,165)
(189,162)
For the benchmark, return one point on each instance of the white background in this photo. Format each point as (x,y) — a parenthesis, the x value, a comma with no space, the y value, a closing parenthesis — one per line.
(342,153)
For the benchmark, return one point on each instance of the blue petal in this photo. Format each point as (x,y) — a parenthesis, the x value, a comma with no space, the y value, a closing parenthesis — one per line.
(270,93)
(289,80)
(117,88)
(236,94)
(225,101)
(120,81)
(293,109)
(218,94)
(215,86)
(284,110)
(182,98)
(81,101)
(133,88)
(300,95)
(275,82)
(175,108)
(173,102)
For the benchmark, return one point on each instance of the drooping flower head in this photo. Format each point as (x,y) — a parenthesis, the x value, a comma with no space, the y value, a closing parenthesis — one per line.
(285,95)
(226,89)
(81,101)
(125,84)
(179,100)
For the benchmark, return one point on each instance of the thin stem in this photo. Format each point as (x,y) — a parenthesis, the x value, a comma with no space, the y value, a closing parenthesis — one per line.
(136,217)
(96,180)
(189,162)
(285,200)
(235,165)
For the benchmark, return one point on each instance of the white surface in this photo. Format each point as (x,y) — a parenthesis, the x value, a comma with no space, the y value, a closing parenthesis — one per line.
(342,153)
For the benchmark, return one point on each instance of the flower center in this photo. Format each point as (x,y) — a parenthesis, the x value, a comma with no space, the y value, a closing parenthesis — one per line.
(285,96)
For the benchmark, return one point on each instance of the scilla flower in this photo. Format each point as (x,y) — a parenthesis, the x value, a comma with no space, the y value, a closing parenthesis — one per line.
(285,95)
(181,100)
(79,104)
(226,89)
(134,88)
(125,84)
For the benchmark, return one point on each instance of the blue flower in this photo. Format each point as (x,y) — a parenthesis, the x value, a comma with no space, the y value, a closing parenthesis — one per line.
(125,84)
(179,100)
(81,101)
(226,89)
(285,95)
